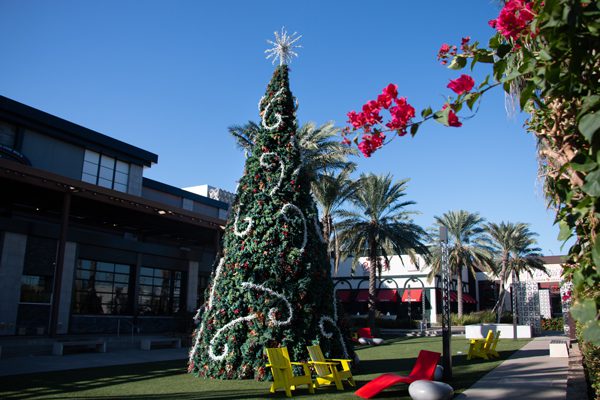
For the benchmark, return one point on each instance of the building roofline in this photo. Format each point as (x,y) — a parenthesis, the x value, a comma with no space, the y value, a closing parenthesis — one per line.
(62,129)
(163,187)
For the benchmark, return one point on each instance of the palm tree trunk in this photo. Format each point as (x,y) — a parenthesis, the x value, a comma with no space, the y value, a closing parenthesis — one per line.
(372,281)
(459,292)
(501,292)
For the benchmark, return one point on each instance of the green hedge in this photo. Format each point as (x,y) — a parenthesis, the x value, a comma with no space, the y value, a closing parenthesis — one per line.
(552,324)
(591,362)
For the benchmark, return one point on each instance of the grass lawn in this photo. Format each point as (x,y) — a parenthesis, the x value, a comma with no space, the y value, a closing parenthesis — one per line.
(168,379)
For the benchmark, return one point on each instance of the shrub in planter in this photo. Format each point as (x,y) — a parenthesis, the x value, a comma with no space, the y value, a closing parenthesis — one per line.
(591,362)
(552,324)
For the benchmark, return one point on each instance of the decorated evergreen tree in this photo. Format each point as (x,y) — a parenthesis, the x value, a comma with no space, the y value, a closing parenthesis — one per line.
(273,286)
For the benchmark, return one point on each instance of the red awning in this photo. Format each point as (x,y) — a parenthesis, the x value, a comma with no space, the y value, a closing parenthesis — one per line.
(387,295)
(362,296)
(412,295)
(453,297)
(467,298)
(344,295)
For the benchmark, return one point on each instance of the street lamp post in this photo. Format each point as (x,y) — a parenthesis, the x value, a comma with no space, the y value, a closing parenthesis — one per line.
(446,327)
(514,304)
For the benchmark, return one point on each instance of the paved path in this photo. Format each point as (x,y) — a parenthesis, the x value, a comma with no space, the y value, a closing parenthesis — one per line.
(530,373)
(31,364)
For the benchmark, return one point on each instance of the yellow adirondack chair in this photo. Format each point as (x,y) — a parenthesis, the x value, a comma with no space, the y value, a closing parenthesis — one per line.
(283,375)
(480,348)
(492,351)
(330,371)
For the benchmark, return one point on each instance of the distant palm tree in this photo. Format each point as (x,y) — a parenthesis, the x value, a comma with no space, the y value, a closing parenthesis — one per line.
(379,226)
(320,147)
(331,191)
(468,247)
(513,244)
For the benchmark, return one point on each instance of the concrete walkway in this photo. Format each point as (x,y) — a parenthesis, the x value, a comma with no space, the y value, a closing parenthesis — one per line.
(32,364)
(530,373)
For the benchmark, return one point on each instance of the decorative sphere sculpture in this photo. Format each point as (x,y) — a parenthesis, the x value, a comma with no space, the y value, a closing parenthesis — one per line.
(430,390)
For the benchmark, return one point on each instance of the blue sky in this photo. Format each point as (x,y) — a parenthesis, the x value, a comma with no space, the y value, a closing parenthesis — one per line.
(171,76)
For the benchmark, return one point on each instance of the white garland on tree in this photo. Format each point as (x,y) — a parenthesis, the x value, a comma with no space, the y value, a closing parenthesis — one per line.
(194,348)
(277,115)
(243,233)
(223,354)
(284,210)
(264,164)
(273,310)
(333,320)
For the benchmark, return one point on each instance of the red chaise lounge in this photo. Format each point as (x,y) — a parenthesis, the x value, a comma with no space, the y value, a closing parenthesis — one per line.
(424,369)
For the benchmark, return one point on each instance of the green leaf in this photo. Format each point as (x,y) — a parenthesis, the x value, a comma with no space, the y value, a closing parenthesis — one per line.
(503,50)
(583,163)
(591,332)
(442,116)
(413,129)
(592,183)
(596,251)
(584,310)
(426,112)
(589,125)
(526,94)
(565,231)
(459,62)
(485,82)
(471,99)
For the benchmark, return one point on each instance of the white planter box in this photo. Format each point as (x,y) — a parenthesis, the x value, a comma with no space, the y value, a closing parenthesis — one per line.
(506,331)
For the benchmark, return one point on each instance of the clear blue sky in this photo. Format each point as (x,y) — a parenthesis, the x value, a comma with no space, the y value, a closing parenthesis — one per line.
(171,76)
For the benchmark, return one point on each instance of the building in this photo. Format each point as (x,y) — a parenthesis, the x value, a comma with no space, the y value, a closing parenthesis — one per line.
(87,244)
(404,289)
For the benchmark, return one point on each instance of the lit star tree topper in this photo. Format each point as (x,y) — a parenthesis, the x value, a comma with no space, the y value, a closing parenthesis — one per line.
(283,47)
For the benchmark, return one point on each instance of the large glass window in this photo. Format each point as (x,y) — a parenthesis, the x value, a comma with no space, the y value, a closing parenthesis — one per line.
(36,289)
(8,134)
(105,171)
(101,288)
(159,291)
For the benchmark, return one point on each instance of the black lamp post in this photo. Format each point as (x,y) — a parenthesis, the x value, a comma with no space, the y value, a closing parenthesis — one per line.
(446,328)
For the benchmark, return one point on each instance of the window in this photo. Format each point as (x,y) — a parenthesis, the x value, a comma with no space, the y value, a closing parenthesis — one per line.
(159,291)
(105,171)
(36,289)
(101,288)
(8,134)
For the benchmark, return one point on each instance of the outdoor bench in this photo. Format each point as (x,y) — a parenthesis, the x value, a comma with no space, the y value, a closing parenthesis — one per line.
(146,344)
(98,345)
(559,348)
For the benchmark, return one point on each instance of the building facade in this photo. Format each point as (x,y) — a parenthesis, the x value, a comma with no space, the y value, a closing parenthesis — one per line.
(87,243)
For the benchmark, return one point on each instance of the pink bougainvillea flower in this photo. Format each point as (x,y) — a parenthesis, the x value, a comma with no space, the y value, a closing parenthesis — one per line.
(391,90)
(401,114)
(462,84)
(346,141)
(356,119)
(452,118)
(444,49)
(513,19)
(370,143)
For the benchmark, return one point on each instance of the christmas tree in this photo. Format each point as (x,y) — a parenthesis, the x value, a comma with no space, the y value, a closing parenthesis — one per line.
(273,286)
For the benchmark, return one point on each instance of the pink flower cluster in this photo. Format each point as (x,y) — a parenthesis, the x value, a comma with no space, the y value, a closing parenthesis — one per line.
(399,109)
(461,85)
(513,19)
(370,143)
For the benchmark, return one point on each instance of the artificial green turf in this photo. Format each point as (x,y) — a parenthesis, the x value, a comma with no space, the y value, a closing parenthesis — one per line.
(168,379)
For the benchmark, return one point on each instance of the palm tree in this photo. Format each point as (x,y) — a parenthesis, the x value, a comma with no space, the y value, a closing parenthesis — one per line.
(468,247)
(513,243)
(379,226)
(331,191)
(320,147)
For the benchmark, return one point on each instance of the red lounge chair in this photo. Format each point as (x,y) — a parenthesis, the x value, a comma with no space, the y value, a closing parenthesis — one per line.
(365,337)
(424,369)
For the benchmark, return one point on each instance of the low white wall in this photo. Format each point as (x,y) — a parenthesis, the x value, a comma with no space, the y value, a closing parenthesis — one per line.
(480,331)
